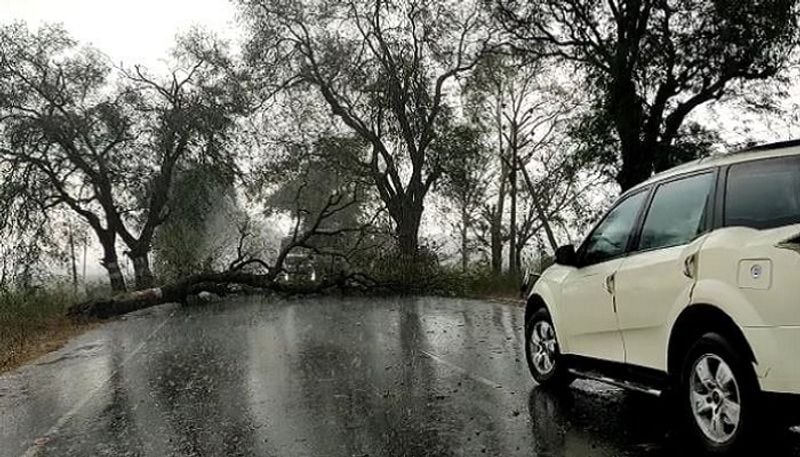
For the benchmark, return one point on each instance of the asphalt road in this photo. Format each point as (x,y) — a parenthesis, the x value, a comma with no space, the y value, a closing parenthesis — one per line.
(316,377)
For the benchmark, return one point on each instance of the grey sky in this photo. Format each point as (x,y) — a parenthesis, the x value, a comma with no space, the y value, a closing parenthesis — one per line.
(134,32)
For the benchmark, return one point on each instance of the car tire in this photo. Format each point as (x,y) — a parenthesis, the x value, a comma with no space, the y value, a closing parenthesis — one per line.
(543,354)
(717,397)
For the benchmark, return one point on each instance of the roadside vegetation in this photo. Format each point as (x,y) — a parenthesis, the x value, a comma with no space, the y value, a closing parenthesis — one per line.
(365,146)
(481,283)
(34,322)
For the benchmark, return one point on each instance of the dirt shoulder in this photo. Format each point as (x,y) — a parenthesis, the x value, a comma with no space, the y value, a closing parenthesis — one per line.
(21,348)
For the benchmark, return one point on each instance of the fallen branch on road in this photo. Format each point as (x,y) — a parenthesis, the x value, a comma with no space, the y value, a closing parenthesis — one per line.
(264,278)
(220,284)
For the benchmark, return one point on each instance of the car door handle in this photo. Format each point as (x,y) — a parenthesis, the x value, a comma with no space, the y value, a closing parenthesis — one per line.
(690,266)
(609,283)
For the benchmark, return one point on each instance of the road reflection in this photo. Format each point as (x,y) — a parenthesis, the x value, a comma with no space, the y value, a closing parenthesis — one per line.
(581,422)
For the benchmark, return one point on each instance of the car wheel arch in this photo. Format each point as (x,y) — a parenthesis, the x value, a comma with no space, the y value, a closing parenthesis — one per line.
(545,295)
(535,303)
(695,321)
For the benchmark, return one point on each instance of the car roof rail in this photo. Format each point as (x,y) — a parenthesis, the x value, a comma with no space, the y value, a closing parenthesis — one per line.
(769,146)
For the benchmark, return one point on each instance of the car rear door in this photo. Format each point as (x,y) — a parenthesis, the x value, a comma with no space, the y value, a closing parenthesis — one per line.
(657,274)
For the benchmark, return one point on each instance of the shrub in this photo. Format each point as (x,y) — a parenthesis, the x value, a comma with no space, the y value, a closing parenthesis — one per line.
(28,317)
(423,274)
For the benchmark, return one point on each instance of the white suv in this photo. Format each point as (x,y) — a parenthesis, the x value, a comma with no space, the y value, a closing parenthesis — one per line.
(690,285)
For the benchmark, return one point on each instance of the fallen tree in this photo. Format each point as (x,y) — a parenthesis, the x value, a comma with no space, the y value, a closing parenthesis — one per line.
(246,270)
(221,284)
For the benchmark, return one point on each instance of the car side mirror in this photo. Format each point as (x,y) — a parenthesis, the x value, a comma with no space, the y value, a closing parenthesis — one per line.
(565,255)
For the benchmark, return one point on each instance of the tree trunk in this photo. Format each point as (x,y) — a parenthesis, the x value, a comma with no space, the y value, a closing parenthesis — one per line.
(216,283)
(115,275)
(497,240)
(464,250)
(497,214)
(110,261)
(141,271)
(637,161)
(540,213)
(512,232)
(548,229)
(407,217)
(551,238)
(74,262)
(636,167)
(83,270)
(496,228)
(512,181)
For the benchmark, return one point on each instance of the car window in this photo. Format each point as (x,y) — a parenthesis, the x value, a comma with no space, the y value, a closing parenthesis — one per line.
(676,214)
(763,194)
(610,238)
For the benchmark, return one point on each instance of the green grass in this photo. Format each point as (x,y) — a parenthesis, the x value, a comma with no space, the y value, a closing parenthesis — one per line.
(33,322)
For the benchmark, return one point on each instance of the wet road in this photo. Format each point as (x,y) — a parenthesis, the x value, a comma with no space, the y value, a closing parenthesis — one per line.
(316,377)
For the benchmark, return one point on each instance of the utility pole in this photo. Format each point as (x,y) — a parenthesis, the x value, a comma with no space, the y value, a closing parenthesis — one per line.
(74,261)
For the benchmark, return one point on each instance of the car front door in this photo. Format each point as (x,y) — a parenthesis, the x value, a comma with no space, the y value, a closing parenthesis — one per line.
(655,276)
(590,324)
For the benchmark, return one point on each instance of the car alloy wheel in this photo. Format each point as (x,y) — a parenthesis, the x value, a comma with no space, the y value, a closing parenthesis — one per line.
(715,398)
(542,352)
(719,393)
(543,347)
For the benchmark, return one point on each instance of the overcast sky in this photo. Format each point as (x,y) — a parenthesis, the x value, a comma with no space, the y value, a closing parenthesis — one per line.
(134,32)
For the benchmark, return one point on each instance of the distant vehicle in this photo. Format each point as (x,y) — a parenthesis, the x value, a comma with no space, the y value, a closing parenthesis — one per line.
(299,267)
(689,285)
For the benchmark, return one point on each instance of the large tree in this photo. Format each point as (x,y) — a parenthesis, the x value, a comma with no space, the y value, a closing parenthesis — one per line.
(60,133)
(183,120)
(465,181)
(28,237)
(485,94)
(192,239)
(108,148)
(650,63)
(524,111)
(383,67)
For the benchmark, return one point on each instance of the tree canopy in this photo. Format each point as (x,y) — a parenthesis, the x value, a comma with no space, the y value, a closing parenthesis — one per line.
(650,63)
(383,67)
(105,143)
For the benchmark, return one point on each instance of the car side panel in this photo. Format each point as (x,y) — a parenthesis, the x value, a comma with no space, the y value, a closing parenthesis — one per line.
(721,296)
(747,273)
(766,306)
(775,349)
